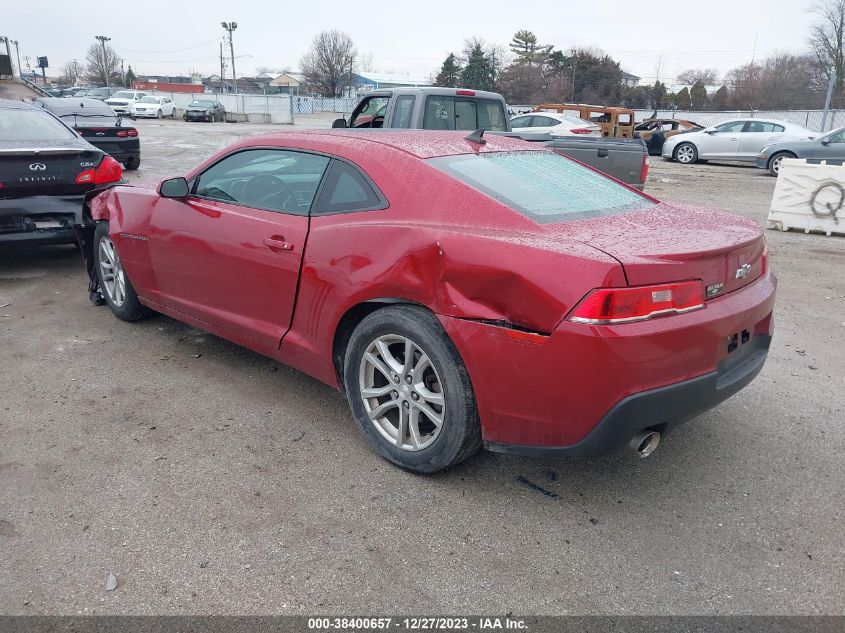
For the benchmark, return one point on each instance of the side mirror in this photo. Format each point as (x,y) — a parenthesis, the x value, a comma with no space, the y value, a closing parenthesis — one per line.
(174,188)
(339,123)
(709,131)
(825,141)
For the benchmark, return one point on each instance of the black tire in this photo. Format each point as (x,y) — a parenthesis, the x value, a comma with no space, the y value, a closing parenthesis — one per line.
(131,310)
(680,155)
(460,433)
(773,166)
(211,118)
(159,114)
(132,163)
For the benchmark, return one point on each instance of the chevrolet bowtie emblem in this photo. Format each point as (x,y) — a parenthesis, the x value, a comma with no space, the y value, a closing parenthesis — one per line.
(742,271)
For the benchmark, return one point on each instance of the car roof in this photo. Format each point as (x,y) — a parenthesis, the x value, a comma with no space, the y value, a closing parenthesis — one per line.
(12,104)
(436,90)
(419,143)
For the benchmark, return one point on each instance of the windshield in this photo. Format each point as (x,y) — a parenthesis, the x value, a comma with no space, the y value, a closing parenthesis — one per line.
(31,125)
(123,94)
(149,100)
(543,186)
(201,104)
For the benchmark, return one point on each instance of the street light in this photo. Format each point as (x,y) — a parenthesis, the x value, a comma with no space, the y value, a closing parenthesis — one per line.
(103,39)
(230,27)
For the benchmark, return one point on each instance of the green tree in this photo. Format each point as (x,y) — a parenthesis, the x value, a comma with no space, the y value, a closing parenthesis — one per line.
(658,95)
(527,49)
(698,96)
(479,72)
(683,99)
(130,77)
(450,72)
(597,77)
(720,99)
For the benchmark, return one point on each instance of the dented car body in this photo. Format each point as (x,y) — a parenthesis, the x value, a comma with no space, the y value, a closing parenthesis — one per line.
(470,232)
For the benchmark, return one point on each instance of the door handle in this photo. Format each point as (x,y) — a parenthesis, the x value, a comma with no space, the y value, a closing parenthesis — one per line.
(278,244)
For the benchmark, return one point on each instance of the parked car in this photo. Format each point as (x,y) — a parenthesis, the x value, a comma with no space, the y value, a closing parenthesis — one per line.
(654,132)
(456,108)
(153,106)
(205,110)
(524,302)
(100,93)
(99,125)
(736,140)
(829,148)
(45,170)
(123,100)
(555,124)
(614,122)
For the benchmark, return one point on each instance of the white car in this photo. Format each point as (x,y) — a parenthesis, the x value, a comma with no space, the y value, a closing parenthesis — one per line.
(157,107)
(735,140)
(123,100)
(554,124)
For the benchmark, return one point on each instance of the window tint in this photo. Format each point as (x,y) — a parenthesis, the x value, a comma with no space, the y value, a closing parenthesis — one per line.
(369,109)
(521,121)
(346,189)
(491,115)
(836,137)
(762,127)
(466,117)
(404,110)
(271,179)
(732,127)
(439,113)
(31,125)
(543,186)
(544,121)
(448,113)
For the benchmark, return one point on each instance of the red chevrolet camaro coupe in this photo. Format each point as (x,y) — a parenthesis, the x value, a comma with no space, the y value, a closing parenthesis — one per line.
(462,291)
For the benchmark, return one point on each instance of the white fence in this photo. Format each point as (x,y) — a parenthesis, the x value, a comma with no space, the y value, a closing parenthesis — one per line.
(811,119)
(240,107)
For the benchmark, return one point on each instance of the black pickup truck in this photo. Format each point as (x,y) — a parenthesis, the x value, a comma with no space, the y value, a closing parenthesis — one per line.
(470,110)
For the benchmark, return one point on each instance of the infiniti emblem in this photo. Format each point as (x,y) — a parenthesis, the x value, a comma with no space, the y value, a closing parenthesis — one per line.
(38,167)
(742,271)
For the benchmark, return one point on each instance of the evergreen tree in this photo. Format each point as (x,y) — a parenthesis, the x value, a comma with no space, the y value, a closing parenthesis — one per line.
(527,49)
(479,72)
(658,94)
(720,99)
(698,96)
(683,99)
(450,73)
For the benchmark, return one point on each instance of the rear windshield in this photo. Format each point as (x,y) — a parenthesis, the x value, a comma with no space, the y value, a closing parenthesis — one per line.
(203,104)
(463,113)
(123,95)
(543,186)
(31,125)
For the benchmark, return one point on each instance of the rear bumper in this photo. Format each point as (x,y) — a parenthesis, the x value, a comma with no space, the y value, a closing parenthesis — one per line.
(661,409)
(586,390)
(40,220)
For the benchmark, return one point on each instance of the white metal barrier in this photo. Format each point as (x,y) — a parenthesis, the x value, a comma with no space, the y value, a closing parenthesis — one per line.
(809,197)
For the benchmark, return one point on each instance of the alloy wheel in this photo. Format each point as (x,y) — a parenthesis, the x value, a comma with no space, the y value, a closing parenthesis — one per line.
(776,164)
(686,154)
(402,392)
(111,272)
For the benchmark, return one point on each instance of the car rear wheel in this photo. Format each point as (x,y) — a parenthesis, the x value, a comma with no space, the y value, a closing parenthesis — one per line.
(132,163)
(776,160)
(211,118)
(409,390)
(114,284)
(686,154)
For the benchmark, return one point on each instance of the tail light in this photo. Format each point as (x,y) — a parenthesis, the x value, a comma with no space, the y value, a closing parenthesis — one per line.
(644,171)
(624,305)
(130,132)
(764,260)
(581,130)
(109,170)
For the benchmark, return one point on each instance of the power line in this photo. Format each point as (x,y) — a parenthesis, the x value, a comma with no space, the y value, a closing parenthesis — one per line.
(175,50)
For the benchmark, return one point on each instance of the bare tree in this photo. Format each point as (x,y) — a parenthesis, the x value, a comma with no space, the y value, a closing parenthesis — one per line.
(367,62)
(707,76)
(329,63)
(72,71)
(103,64)
(827,40)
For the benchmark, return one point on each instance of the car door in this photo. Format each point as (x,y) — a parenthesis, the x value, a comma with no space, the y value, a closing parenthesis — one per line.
(832,151)
(721,141)
(755,136)
(229,254)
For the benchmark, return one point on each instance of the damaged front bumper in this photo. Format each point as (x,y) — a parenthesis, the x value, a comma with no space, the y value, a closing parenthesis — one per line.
(40,220)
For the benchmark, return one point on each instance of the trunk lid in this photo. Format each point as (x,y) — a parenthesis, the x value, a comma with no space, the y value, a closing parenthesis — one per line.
(667,243)
(45,171)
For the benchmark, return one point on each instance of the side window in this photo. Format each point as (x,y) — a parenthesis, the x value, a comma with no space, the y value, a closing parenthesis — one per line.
(624,118)
(346,190)
(838,137)
(270,179)
(368,110)
(778,128)
(521,121)
(732,127)
(403,110)
(439,113)
(544,121)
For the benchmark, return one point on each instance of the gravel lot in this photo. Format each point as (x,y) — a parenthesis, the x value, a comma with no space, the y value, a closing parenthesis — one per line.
(209,479)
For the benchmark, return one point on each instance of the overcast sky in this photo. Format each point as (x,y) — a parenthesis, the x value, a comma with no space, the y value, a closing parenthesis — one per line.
(178,36)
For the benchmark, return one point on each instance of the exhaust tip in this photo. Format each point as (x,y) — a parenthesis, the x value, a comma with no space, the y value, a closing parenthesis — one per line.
(646,443)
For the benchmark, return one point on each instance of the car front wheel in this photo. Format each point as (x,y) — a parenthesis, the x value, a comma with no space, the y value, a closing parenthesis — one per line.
(409,390)
(686,153)
(776,160)
(159,114)
(114,284)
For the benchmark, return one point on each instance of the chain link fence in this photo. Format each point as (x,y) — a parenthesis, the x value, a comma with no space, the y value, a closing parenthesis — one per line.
(309,105)
(811,119)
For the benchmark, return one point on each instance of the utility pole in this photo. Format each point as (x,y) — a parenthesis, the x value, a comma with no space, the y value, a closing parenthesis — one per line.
(230,27)
(103,39)
(827,99)
(123,75)
(222,66)
(18,54)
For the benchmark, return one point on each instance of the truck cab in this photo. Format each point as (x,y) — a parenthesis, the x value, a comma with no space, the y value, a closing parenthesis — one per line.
(430,109)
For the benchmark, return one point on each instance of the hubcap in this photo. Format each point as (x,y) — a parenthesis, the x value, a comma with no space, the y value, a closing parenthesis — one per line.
(685,154)
(111,272)
(402,392)
(776,164)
